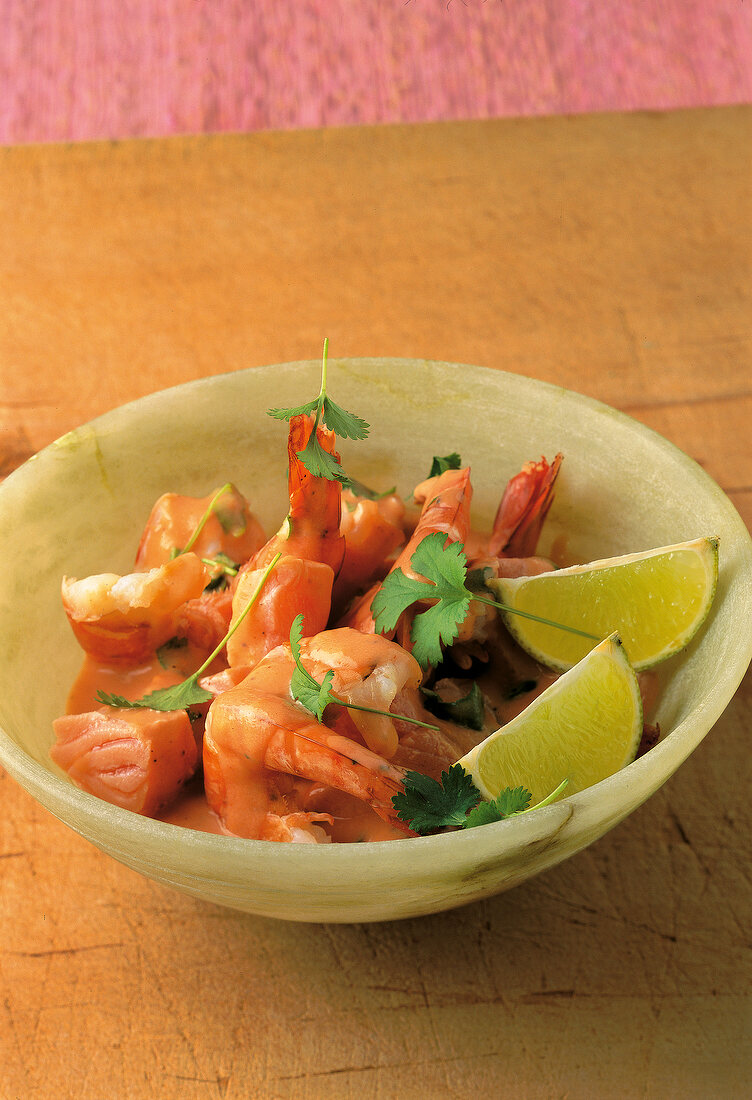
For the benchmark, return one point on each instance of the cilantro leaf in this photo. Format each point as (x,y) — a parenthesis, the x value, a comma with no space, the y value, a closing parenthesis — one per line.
(448,462)
(298,410)
(427,804)
(469,710)
(179,697)
(444,568)
(320,463)
(510,801)
(304,688)
(343,423)
(338,420)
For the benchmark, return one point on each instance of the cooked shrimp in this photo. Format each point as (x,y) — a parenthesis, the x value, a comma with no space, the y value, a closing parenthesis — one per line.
(255,731)
(446,509)
(372,530)
(312,548)
(230,529)
(523,508)
(128,618)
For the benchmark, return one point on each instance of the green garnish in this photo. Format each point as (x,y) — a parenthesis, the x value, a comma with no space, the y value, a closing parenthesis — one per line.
(188,692)
(511,801)
(361,490)
(427,804)
(448,462)
(468,711)
(455,801)
(313,456)
(444,569)
(316,697)
(202,522)
(222,567)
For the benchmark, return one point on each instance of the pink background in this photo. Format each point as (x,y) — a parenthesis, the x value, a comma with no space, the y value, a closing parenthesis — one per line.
(78,69)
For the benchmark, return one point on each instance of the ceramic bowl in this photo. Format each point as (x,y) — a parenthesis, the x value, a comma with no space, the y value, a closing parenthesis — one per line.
(78,508)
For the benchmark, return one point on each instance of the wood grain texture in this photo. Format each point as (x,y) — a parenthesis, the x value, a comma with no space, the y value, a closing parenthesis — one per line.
(126,68)
(607,254)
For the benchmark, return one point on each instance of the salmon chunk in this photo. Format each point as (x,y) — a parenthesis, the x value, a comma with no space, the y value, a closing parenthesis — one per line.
(137,759)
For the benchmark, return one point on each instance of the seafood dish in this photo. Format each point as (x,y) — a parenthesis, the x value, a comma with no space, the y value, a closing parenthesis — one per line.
(223,622)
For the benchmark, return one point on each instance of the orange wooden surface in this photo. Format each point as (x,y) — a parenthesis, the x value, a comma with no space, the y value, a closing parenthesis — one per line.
(610,254)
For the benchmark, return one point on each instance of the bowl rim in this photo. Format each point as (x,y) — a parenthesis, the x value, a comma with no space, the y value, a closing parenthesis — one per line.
(55,791)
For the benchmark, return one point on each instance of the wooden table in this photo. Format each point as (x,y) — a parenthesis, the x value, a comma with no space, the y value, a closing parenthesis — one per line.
(610,254)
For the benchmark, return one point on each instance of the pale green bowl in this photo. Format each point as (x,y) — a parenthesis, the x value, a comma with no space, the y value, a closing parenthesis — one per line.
(78,508)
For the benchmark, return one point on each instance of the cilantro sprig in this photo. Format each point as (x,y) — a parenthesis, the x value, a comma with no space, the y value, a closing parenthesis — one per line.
(188,692)
(455,802)
(444,568)
(345,424)
(316,697)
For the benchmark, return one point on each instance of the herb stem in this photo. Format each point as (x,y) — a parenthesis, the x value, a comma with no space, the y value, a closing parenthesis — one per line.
(535,618)
(549,797)
(385,713)
(203,521)
(239,619)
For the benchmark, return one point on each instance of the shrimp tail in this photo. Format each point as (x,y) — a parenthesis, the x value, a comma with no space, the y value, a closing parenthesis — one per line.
(523,508)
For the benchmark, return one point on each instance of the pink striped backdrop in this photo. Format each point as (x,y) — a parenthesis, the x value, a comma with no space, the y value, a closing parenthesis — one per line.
(78,69)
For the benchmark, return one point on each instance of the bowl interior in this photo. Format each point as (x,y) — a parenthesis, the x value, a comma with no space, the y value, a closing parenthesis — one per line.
(78,508)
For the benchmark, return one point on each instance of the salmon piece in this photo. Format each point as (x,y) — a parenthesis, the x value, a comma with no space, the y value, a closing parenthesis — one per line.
(136,759)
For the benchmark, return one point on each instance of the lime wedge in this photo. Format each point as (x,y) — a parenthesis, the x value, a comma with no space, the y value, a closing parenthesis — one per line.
(656,600)
(583,728)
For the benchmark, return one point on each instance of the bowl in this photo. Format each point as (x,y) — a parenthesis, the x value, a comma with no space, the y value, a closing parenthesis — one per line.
(78,508)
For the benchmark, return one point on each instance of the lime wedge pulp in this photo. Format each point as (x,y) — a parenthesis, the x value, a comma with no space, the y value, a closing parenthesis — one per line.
(656,600)
(584,727)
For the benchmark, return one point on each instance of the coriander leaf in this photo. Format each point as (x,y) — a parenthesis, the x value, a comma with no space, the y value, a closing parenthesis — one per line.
(348,425)
(287,414)
(320,463)
(448,462)
(444,568)
(186,694)
(427,805)
(304,688)
(510,802)
(468,711)
(343,423)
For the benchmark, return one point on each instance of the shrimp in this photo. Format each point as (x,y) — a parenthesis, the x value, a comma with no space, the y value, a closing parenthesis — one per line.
(509,551)
(372,530)
(523,508)
(128,618)
(257,737)
(230,529)
(446,509)
(312,549)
